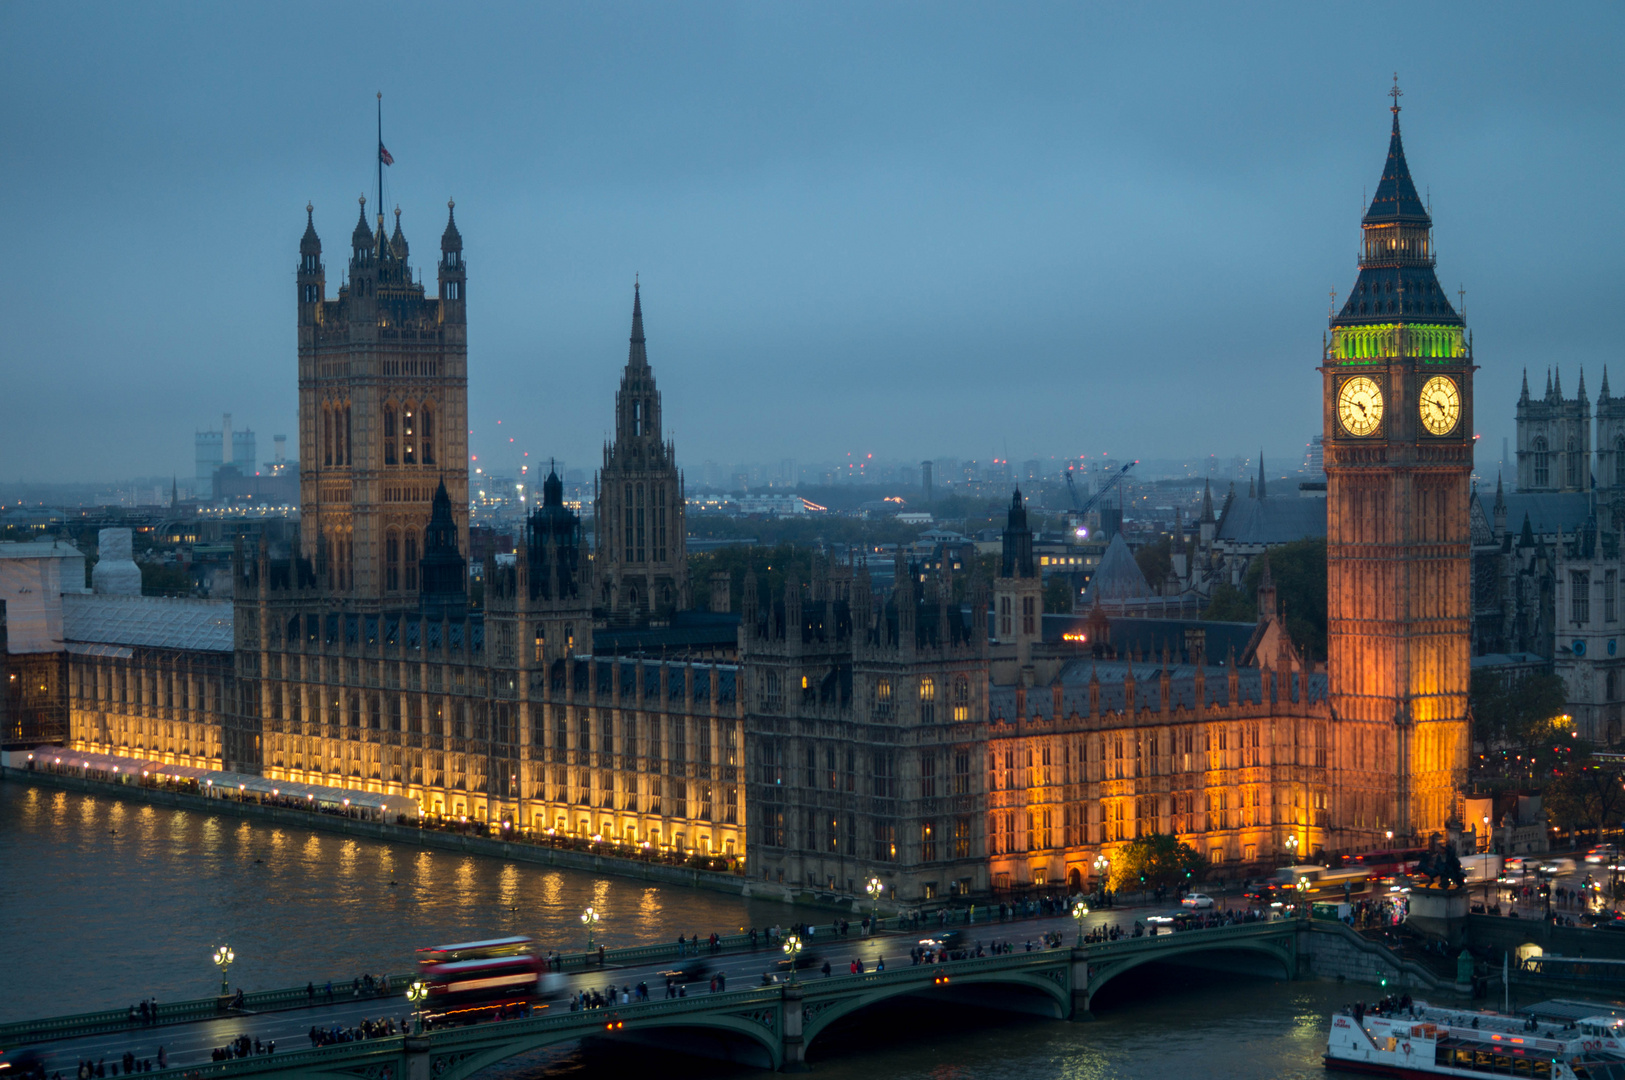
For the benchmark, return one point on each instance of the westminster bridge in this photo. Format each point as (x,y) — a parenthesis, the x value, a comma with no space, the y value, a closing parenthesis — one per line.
(769,1026)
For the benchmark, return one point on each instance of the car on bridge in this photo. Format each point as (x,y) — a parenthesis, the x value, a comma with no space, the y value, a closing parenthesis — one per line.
(1197,901)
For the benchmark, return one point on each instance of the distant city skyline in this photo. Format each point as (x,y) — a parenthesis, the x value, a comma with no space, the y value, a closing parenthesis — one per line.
(1044,231)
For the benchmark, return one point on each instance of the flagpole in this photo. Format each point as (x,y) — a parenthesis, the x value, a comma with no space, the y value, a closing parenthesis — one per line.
(380,157)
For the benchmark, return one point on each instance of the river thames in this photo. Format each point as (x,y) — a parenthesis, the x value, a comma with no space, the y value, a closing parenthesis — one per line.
(109,901)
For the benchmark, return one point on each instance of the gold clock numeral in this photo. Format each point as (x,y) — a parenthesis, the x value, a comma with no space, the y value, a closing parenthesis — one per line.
(1440,405)
(1359,405)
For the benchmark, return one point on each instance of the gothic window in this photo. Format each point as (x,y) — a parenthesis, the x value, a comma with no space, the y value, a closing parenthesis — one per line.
(389,434)
(408,444)
(426,437)
(928,700)
(640,533)
(660,523)
(327,436)
(928,776)
(409,556)
(1029,615)
(637,418)
(1580,597)
(928,841)
(347,439)
(1004,617)
(1610,588)
(1543,471)
(626,520)
(961,699)
(1574,463)
(1619,460)
(883,699)
(392,560)
(773,693)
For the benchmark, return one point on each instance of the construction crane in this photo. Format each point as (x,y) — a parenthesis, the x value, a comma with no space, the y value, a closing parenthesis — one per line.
(1081,507)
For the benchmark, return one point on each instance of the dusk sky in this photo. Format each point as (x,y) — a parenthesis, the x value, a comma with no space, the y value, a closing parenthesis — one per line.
(903,229)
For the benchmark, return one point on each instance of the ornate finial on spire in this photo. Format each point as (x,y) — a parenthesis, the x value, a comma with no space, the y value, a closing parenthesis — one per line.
(310,208)
(1396,93)
(363,200)
(397,213)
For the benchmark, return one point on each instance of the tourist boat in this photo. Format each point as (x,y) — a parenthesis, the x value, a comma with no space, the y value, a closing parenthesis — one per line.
(1420,1040)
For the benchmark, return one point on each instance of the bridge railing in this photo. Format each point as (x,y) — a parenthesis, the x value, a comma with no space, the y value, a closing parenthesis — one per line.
(183,1012)
(296,997)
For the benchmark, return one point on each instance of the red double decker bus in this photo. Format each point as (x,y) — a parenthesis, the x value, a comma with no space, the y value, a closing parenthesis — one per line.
(473,977)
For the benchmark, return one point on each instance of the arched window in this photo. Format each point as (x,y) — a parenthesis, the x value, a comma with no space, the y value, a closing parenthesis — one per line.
(1573,463)
(641,547)
(426,435)
(327,436)
(1619,460)
(389,435)
(409,556)
(928,700)
(961,699)
(1543,468)
(626,521)
(392,560)
(347,439)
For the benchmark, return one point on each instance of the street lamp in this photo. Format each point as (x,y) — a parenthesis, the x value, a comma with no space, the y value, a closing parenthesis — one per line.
(1102,866)
(589,919)
(1080,911)
(415,994)
(792,946)
(1303,894)
(223,956)
(875,888)
(1292,849)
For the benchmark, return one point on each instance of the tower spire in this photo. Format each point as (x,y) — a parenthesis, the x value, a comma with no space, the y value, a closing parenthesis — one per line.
(638,355)
(1260,472)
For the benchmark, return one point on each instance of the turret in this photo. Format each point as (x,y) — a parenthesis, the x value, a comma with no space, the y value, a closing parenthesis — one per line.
(312,276)
(453,274)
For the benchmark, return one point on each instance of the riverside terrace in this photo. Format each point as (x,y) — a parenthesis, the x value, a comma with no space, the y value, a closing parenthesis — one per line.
(770,1026)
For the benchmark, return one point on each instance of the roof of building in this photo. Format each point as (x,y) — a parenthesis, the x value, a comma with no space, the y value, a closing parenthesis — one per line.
(1118,577)
(688,630)
(1075,676)
(1548,511)
(156,622)
(1278,519)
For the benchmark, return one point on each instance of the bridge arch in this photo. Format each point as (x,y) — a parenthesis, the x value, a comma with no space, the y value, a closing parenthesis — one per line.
(1045,991)
(1275,954)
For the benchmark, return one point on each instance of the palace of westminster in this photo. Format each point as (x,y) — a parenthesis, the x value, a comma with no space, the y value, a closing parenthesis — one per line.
(831,732)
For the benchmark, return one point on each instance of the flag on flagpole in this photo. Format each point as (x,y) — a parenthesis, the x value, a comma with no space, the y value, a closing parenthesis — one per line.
(383,155)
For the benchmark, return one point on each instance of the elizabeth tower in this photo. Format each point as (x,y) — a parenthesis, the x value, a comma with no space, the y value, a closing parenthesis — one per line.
(1398,422)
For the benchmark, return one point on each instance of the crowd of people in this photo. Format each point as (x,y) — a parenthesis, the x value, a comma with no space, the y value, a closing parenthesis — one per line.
(131,1064)
(332,1036)
(242,1046)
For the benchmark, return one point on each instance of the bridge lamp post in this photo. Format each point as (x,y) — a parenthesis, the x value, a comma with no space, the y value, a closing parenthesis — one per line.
(1303,896)
(792,946)
(589,919)
(1080,911)
(874,888)
(415,994)
(1292,850)
(223,956)
(1103,866)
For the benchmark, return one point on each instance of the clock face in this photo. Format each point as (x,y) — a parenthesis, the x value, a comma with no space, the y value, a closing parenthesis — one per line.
(1359,405)
(1440,405)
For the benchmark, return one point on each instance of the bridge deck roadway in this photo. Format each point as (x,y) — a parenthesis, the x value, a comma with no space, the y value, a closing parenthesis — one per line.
(190,1045)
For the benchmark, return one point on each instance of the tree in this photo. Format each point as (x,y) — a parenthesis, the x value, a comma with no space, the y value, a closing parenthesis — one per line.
(1158,859)
(1586,796)
(1156,562)
(1522,714)
(1298,570)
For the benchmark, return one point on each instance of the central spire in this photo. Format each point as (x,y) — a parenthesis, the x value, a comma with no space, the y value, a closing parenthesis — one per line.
(638,355)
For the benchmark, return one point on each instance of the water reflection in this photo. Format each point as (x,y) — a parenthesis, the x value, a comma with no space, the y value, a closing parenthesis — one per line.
(107,918)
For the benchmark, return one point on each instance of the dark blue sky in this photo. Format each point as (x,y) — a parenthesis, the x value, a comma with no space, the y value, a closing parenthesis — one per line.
(912,230)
